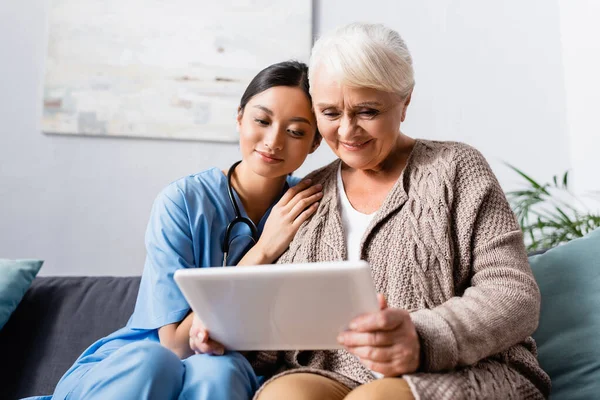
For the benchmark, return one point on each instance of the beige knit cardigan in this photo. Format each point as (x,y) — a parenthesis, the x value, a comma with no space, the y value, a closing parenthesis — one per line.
(445,246)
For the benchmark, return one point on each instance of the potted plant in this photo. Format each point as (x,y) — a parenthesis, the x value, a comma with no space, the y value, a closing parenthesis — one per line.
(549,213)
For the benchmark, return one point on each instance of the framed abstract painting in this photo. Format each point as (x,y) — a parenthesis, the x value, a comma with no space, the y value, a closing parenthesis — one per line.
(163,69)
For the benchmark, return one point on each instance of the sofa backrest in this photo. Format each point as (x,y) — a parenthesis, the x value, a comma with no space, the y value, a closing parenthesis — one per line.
(568,336)
(58,318)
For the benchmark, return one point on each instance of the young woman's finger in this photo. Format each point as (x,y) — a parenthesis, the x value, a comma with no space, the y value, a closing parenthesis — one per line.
(304,204)
(197,326)
(305,215)
(302,195)
(211,347)
(193,330)
(293,191)
(196,329)
(202,335)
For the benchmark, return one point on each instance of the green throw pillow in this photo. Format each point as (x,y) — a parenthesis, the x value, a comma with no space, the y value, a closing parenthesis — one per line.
(568,336)
(15,278)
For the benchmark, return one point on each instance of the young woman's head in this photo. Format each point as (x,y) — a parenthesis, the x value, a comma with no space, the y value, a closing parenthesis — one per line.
(275,120)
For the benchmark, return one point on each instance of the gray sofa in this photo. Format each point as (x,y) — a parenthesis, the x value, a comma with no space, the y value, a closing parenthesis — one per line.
(58,318)
(61,316)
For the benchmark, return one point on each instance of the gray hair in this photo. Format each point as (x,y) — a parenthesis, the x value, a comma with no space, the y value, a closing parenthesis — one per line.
(365,55)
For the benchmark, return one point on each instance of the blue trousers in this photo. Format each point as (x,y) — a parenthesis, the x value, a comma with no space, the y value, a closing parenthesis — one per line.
(147,370)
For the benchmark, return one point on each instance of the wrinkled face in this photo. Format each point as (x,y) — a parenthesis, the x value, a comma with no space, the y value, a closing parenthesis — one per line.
(361,125)
(277,131)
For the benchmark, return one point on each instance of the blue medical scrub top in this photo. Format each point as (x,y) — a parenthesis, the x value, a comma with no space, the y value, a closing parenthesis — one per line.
(186,230)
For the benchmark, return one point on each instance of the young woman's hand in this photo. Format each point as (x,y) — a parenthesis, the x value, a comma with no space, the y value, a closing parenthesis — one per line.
(295,207)
(386,341)
(200,341)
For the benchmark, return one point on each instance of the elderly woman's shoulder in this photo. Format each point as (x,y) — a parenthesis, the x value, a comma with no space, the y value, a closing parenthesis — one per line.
(455,162)
(324,174)
(451,153)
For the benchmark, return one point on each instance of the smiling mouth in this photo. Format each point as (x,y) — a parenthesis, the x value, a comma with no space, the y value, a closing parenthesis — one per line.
(268,157)
(355,145)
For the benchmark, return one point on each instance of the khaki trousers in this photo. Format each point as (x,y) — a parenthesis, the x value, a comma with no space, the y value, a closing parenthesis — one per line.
(306,386)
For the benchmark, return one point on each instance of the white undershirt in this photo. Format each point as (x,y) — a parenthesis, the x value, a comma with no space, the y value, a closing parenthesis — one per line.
(355,224)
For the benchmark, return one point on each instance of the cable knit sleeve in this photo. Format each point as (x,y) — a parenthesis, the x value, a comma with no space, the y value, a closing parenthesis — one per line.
(501,306)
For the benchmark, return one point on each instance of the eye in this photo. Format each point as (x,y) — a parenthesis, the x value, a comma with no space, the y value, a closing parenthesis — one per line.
(294,133)
(368,112)
(261,122)
(329,113)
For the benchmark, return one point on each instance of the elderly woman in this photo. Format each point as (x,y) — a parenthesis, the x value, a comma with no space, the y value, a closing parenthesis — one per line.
(459,300)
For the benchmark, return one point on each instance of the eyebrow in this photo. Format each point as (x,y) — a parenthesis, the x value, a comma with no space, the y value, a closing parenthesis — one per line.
(363,104)
(265,109)
(293,119)
(369,104)
(299,119)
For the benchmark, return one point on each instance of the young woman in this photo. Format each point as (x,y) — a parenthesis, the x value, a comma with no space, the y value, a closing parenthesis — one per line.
(195,224)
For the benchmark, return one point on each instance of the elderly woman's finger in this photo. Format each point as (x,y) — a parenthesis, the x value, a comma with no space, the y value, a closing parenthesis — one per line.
(358,339)
(382,301)
(387,369)
(372,353)
(384,320)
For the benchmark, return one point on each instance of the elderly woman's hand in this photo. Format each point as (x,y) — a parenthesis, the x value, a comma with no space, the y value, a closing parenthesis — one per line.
(386,341)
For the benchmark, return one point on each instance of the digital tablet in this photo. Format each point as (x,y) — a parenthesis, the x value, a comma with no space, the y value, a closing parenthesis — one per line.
(279,307)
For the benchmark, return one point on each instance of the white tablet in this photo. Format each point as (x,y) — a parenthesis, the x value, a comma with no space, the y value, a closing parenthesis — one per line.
(279,307)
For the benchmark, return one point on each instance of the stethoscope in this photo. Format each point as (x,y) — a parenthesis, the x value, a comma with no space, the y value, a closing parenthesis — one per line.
(238,216)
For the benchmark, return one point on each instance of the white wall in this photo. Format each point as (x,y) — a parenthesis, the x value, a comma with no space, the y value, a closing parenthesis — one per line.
(488,73)
(580,32)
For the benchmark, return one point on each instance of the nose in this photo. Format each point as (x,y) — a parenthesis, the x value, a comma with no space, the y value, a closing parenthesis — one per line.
(347,126)
(275,139)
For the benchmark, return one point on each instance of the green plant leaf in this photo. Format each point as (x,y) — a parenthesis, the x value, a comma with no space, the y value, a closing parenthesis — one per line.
(547,218)
(529,179)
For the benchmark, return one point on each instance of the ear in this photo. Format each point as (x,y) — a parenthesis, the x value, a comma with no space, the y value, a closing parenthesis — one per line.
(316,143)
(238,118)
(405,105)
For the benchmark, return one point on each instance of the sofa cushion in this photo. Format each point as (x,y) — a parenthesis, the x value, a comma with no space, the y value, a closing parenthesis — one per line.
(15,278)
(57,319)
(568,336)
